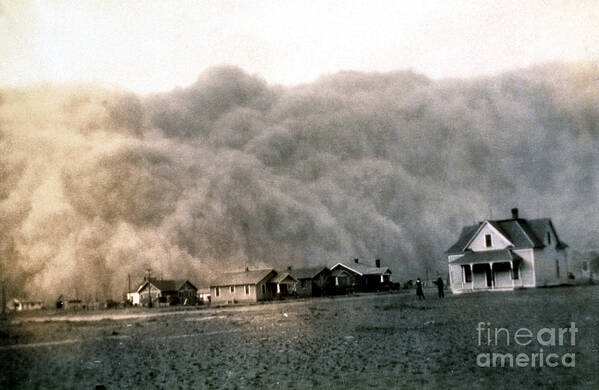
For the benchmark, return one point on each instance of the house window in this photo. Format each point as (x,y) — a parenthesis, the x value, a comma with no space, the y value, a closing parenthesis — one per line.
(232,289)
(488,241)
(217,292)
(336,281)
(557,268)
(247,289)
(467,274)
(548,238)
(263,289)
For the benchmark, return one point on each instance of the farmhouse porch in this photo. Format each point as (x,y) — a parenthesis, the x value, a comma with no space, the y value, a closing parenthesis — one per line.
(487,270)
(282,284)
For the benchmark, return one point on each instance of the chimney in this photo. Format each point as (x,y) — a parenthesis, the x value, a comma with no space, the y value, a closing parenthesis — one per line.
(289,269)
(514,213)
(377,262)
(356,260)
(247,269)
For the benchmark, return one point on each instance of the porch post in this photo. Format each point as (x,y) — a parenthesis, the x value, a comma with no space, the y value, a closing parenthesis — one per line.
(471,277)
(492,275)
(512,275)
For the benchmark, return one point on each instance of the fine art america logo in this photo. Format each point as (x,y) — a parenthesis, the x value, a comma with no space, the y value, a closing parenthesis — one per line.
(545,337)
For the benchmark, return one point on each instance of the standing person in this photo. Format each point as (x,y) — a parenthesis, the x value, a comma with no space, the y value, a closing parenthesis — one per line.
(440,286)
(419,292)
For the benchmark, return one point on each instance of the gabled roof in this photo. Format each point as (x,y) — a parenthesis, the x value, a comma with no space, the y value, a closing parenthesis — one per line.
(541,226)
(522,233)
(519,234)
(465,236)
(486,257)
(243,277)
(494,225)
(165,284)
(283,277)
(362,269)
(307,273)
(181,283)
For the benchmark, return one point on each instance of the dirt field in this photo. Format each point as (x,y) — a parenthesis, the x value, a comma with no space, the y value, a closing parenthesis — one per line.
(364,342)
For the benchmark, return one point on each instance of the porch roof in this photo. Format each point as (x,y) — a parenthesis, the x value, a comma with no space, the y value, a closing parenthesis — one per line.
(308,273)
(487,257)
(284,278)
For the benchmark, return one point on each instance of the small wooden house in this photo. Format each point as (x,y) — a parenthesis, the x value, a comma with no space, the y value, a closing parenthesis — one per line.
(356,276)
(18,304)
(154,292)
(133,298)
(312,282)
(64,303)
(283,284)
(204,296)
(243,286)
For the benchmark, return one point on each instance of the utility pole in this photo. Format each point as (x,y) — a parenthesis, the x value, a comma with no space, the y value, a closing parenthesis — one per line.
(3,299)
(127,301)
(149,272)
(3,282)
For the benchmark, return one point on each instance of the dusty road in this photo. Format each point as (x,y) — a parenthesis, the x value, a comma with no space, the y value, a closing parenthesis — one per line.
(372,341)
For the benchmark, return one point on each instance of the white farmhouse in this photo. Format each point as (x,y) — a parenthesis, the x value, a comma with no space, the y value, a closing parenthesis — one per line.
(507,254)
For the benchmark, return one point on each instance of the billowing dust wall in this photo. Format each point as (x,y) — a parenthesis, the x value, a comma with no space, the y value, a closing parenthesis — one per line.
(232,172)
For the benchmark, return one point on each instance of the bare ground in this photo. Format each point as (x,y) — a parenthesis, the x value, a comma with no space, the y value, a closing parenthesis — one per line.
(365,342)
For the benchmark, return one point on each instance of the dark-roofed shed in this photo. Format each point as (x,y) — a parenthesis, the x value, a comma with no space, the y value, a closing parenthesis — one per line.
(165,292)
(315,281)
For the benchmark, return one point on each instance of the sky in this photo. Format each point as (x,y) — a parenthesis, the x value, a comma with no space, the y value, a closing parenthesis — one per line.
(456,112)
(149,46)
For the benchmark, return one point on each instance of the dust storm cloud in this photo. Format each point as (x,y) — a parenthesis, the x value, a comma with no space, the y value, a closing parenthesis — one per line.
(97,184)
